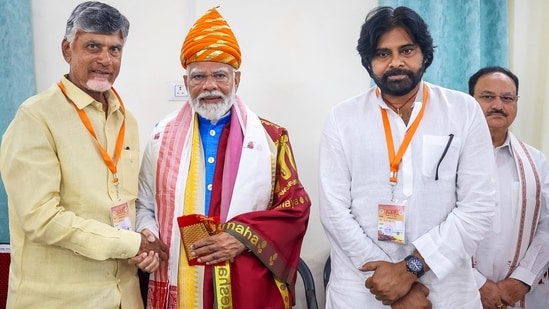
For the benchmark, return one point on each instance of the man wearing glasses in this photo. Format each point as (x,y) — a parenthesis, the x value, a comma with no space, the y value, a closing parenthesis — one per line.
(216,163)
(512,258)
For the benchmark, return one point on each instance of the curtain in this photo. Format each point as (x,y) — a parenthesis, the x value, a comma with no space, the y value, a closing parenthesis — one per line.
(468,35)
(16,74)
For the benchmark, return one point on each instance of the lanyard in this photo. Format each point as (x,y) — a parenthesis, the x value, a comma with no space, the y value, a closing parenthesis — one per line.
(110,162)
(394,160)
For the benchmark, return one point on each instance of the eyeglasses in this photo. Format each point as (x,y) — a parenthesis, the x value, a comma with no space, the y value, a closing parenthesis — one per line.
(218,77)
(506,99)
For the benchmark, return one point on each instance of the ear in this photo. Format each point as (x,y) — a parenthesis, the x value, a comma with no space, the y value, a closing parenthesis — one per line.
(66,50)
(236,80)
(186,82)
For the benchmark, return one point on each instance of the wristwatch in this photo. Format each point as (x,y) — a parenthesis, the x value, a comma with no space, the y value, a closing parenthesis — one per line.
(414,265)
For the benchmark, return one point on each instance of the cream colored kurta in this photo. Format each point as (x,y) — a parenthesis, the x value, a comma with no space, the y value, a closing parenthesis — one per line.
(64,252)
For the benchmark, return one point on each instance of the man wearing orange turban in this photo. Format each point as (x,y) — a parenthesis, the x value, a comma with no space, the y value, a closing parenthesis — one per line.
(215,160)
(211,39)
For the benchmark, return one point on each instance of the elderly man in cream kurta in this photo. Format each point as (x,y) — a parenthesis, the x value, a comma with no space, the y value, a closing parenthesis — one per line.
(69,162)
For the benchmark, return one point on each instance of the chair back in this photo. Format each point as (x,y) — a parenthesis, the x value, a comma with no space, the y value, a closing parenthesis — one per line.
(309,283)
(327,270)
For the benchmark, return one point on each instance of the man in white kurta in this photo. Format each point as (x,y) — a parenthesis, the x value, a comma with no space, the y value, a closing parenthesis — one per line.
(513,257)
(445,217)
(444,179)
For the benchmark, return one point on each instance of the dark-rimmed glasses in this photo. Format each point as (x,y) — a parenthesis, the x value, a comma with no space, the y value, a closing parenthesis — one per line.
(506,98)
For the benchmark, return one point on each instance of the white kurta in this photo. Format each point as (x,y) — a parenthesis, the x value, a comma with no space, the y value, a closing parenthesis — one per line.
(445,218)
(497,251)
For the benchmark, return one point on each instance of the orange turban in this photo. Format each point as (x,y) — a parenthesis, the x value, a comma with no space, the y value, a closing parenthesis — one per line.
(211,39)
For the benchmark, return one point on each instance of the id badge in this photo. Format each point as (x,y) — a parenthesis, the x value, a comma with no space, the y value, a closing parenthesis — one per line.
(120,216)
(391,219)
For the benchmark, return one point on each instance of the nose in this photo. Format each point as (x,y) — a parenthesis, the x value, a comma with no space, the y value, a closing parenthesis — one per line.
(396,60)
(209,83)
(497,103)
(105,58)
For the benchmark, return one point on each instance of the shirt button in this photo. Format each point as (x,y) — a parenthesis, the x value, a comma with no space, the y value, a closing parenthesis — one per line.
(211,160)
(212,132)
(210,187)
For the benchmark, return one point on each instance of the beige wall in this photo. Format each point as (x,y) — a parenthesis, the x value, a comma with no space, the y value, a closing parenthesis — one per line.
(529,59)
(299,59)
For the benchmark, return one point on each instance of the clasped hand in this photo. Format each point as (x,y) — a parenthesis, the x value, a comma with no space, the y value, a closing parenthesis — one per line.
(504,293)
(151,251)
(388,283)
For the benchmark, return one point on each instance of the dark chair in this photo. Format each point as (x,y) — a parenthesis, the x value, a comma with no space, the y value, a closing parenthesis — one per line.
(302,268)
(143,284)
(5,260)
(327,270)
(309,283)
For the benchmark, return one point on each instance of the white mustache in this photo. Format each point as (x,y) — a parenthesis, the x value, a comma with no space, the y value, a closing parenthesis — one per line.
(214,93)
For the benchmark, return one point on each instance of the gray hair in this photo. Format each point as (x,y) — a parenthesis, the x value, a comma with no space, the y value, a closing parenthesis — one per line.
(96,17)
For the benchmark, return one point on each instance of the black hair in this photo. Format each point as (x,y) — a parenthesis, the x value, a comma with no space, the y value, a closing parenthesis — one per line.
(383,19)
(487,70)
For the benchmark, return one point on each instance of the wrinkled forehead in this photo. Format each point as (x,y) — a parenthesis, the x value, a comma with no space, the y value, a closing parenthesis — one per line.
(495,82)
(99,37)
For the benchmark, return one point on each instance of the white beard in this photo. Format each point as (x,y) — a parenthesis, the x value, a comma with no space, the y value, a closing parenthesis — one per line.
(213,112)
(99,85)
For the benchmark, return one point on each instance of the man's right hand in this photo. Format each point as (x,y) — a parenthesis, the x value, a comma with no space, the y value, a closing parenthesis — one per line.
(490,295)
(149,243)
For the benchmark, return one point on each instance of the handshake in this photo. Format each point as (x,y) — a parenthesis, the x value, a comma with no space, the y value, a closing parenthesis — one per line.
(151,252)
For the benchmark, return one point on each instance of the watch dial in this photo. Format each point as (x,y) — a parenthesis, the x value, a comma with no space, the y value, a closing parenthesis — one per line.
(415,264)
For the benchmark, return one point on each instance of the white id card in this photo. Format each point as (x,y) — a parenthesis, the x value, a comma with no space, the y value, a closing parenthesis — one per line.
(120,216)
(391,218)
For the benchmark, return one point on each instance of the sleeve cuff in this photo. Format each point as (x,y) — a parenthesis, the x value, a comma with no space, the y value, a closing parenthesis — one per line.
(524,275)
(479,278)
(131,243)
(437,262)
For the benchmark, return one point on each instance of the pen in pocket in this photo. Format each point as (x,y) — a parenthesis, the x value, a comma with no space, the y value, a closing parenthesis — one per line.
(450,138)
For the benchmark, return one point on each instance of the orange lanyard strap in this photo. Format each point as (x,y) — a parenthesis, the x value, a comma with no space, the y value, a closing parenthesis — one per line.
(394,160)
(111,163)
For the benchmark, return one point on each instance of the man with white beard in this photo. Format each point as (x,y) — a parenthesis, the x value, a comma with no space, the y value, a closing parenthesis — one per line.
(215,164)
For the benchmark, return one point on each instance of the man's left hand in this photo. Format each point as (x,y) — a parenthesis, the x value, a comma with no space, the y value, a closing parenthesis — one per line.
(512,290)
(147,262)
(217,248)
